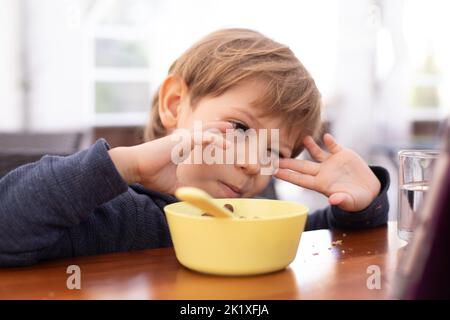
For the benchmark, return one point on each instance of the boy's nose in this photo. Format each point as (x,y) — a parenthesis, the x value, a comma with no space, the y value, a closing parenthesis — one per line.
(246,158)
(250,168)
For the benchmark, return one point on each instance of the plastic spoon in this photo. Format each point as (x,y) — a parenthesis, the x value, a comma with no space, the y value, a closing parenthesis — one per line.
(203,201)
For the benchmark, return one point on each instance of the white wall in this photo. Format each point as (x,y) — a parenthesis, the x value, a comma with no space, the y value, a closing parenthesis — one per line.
(55,65)
(10,66)
(352,112)
(391,105)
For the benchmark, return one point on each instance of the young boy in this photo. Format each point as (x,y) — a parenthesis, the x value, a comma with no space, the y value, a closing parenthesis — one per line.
(107,200)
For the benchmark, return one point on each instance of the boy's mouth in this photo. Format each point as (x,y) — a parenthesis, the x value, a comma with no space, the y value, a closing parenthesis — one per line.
(230,190)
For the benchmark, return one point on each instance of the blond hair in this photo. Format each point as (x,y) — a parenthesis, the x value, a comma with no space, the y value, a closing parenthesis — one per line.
(226,57)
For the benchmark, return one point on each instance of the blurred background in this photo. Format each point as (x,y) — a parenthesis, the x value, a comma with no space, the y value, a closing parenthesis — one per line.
(72,71)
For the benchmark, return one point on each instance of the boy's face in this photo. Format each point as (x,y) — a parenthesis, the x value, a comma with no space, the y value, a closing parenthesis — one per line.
(235,105)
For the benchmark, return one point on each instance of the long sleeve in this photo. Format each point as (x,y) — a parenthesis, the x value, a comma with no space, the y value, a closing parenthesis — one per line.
(375,214)
(71,206)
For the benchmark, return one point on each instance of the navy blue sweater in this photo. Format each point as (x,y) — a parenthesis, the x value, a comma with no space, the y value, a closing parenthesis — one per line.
(79,205)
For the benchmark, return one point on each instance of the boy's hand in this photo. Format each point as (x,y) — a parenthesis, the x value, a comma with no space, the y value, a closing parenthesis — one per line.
(340,174)
(150,163)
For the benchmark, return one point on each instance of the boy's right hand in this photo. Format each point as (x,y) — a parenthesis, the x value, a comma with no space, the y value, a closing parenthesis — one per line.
(150,163)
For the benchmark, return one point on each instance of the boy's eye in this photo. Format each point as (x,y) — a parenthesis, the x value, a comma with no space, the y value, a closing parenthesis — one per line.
(239,125)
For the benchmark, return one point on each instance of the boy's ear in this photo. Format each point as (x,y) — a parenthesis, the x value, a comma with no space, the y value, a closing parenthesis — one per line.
(171,94)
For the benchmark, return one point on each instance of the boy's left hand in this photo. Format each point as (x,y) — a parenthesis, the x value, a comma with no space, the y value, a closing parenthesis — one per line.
(340,174)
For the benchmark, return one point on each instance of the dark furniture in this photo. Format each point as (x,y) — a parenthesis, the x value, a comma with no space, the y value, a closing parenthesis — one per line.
(17,149)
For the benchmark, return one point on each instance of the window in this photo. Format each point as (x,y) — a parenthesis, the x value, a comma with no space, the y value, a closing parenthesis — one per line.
(426,31)
(119,60)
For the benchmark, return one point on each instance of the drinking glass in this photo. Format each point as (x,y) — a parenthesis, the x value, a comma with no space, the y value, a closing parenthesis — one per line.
(415,174)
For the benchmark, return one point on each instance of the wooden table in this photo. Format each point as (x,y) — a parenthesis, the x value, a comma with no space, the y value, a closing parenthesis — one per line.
(321,270)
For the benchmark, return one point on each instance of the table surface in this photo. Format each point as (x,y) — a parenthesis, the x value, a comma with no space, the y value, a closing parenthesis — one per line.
(329,265)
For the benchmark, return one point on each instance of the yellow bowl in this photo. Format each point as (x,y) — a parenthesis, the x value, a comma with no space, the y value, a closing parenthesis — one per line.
(264,239)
